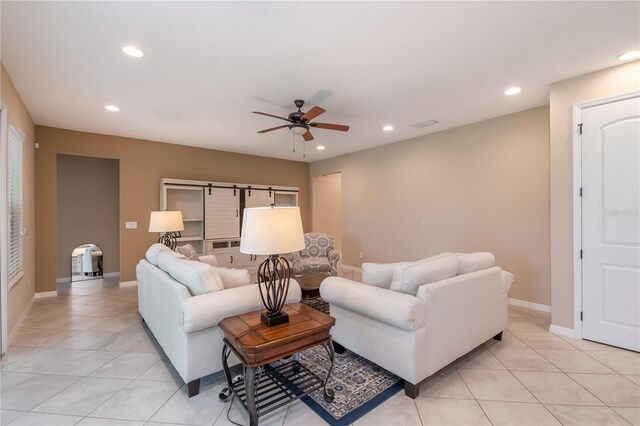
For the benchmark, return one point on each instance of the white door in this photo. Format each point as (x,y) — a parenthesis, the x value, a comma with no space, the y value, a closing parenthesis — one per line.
(221,213)
(610,223)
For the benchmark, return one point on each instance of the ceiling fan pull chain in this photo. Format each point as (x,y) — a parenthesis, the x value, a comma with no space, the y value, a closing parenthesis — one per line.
(293,141)
(304,150)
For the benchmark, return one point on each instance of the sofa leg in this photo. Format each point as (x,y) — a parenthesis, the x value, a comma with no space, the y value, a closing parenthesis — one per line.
(338,348)
(498,336)
(411,390)
(193,388)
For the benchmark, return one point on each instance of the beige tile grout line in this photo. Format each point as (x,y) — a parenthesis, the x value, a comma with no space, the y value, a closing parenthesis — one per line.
(469,389)
(570,378)
(522,384)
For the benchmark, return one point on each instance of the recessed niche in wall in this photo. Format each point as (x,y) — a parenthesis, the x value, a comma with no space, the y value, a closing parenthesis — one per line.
(86,263)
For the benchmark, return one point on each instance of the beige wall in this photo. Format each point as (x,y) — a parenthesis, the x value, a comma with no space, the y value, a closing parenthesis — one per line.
(88,209)
(142,165)
(480,187)
(326,207)
(22,293)
(618,80)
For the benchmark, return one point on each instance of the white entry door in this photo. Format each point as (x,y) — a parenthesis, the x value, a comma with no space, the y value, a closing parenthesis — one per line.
(610,223)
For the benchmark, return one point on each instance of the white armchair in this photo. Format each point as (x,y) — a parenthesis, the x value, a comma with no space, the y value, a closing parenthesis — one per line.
(415,335)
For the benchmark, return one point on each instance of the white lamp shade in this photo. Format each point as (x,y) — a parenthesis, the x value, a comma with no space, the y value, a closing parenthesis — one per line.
(271,231)
(166,222)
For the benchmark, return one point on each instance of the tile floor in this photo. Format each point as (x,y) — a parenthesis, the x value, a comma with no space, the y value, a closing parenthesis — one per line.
(84,358)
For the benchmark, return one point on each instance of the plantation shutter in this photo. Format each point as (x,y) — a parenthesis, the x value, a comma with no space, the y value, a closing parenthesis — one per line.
(14,178)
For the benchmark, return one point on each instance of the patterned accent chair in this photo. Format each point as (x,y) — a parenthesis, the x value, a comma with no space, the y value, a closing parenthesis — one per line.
(318,255)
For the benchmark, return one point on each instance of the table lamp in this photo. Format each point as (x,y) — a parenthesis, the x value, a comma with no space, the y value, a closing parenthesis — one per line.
(166,222)
(272,231)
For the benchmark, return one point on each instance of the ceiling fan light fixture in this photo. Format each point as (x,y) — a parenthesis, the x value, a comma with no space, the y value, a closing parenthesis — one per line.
(299,130)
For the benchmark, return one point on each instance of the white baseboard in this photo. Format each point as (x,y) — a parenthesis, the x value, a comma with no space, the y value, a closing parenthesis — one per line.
(350,272)
(64,280)
(18,324)
(45,294)
(128,284)
(529,305)
(562,331)
(351,268)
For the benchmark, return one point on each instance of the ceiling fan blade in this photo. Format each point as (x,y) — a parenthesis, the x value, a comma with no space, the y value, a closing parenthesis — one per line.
(313,113)
(307,136)
(330,126)
(273,128)
(271,115)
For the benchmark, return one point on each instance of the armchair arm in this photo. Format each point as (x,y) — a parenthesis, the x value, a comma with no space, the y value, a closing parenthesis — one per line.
(333,257)
(294,258)
(390,307)
(207,310)
(507,280)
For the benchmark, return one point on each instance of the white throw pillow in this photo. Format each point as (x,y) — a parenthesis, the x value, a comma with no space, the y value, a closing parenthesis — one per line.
(232,278)
(407,279)
(164,257)
(198,277)
(471,262)
(380,274)
(153,251)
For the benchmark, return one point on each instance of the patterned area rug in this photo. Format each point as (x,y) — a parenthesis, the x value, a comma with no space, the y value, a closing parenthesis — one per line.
(317,303)
(359,386)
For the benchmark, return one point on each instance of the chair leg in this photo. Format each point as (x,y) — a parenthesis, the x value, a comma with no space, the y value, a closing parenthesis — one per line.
(193,388)
(411,390)
(498,336)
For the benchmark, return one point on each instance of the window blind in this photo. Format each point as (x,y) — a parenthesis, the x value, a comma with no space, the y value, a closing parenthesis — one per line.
(14,179)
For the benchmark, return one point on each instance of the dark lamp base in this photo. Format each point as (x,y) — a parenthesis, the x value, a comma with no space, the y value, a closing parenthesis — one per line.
(274,319)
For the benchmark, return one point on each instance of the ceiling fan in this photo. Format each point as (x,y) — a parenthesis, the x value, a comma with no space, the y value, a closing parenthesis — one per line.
(301,121)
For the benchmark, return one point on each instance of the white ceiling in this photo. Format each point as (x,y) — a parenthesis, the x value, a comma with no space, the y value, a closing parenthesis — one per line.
(207,65)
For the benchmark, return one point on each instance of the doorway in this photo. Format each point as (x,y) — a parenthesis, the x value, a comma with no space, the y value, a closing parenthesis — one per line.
(88,216)
(327,207)
(609,134)
(87,263)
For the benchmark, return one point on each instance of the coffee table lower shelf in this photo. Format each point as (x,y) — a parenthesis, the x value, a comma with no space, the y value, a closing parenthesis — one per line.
(278,386)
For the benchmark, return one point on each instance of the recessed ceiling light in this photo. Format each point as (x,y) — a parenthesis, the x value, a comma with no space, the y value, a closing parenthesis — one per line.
(320,147)
(133,51)
(634,54)
(112,108)
(512,91)
(387,128)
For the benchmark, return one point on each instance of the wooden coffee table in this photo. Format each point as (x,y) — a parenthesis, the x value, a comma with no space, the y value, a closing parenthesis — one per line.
(310,282)
(257,345)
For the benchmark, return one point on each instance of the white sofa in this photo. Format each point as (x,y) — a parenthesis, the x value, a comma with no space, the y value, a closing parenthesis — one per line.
(415,334)
(186,326)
